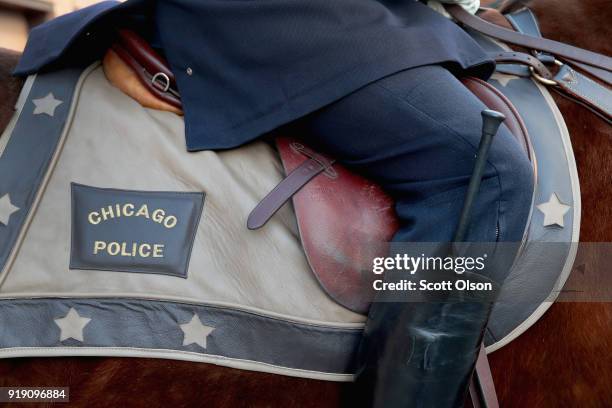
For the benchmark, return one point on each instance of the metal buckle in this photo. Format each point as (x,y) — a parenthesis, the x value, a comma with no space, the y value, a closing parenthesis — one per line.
(155,81)
(543,80)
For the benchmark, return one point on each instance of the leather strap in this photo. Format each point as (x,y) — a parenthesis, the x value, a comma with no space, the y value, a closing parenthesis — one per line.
(290,185)
(569,82)
(541,44)
(514,57)
(585,91)
(573,84)
(576,86)
(151,69)
(482,388)
(524,21)
(145,54)
(145,77)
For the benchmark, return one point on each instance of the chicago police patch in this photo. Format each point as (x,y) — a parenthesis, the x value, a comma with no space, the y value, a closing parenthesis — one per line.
(133,231)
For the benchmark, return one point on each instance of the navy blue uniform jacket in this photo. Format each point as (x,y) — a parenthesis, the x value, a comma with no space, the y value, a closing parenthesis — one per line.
(245,67)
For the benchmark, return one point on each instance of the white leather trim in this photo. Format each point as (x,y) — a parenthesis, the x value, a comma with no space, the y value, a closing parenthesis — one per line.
(172,355)
(577,207)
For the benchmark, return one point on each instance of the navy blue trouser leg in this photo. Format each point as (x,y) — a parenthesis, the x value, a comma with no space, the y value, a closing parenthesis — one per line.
(416,133)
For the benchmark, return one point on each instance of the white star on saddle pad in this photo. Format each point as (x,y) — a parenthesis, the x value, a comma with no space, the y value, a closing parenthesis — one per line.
(72,325)
(554,211)
(6,209)
(503,79)
(46,105)
(196,332)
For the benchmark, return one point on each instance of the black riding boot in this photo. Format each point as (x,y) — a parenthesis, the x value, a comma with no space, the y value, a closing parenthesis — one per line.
(423,354)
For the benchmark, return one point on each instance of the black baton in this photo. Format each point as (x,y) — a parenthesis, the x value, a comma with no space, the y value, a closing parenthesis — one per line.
(481,395)
(491,120)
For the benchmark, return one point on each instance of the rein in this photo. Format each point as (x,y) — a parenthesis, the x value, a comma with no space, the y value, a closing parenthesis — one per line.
(542,44)
(568,82)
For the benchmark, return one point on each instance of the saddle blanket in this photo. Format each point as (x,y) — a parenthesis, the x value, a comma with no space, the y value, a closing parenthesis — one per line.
(115,241)
(137,247)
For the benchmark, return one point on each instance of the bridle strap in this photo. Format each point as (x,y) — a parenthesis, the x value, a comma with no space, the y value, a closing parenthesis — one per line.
(567,81)
(541,44)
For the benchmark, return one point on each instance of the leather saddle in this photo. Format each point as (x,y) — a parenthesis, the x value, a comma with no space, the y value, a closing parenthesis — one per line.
(344,219)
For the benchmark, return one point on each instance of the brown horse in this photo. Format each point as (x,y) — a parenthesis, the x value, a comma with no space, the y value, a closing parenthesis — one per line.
(563,360)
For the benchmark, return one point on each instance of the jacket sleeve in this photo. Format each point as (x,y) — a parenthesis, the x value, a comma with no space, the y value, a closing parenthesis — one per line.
(48,41)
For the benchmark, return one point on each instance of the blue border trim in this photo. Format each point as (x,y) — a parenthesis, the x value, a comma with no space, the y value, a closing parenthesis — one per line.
(27,156)
(156,325)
